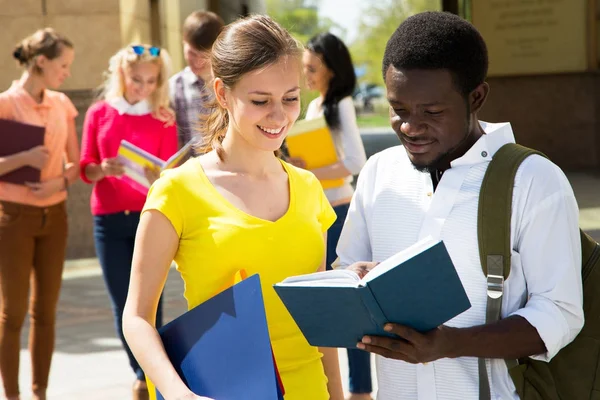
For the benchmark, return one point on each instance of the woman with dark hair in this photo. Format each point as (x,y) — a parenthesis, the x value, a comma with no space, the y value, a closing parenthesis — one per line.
(329,70)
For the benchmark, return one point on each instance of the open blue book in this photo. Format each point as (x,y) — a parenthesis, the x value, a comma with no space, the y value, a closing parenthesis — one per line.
(417,287)
(221,348)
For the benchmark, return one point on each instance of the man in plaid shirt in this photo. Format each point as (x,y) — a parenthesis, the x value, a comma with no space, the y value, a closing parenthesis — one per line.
(188,89)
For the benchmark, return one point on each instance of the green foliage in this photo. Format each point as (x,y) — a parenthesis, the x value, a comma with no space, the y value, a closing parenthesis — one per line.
(300,17)
(465,9)
(379,20)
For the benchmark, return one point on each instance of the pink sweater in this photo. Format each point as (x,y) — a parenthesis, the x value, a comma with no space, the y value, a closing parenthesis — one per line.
(103,130)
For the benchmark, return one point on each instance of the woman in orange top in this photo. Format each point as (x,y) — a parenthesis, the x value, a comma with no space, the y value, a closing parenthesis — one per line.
(33,218)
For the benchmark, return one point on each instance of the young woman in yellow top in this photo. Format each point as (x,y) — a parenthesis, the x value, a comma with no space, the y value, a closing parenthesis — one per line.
(238,207)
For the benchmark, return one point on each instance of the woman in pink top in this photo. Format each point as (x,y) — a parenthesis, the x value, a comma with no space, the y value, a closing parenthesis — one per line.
(134,106)
(33,218)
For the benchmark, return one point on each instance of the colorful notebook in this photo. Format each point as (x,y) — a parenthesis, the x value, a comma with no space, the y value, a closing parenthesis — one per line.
(221,348)
(135,160)
(16,137)
(311,140)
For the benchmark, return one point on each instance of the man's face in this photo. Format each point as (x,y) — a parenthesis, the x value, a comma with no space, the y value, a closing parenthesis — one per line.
(428,113)
(199,61)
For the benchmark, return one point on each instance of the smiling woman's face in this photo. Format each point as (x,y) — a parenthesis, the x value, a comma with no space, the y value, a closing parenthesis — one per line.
(264,104)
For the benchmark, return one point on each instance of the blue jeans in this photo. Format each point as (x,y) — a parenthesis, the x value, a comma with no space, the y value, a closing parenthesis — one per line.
(114,236)
(359,361)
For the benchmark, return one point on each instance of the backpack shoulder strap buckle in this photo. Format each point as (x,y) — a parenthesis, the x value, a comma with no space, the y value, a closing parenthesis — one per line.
(495,276)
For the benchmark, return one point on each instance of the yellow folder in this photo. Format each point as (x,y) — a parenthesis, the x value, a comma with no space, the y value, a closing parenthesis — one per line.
(311,140)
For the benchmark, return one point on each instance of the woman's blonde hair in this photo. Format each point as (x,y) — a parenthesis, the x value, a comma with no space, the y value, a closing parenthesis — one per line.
(114,83)
(44,42)
(246,45)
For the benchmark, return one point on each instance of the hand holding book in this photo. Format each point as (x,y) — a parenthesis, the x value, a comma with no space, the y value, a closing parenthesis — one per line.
(412,346)
(417,287)
(112,167)
(362,268)
(152,174)
(36,157)
(193,396)
(142,168)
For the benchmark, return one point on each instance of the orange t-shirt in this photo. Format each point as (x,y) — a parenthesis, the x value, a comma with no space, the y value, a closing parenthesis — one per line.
(54,113)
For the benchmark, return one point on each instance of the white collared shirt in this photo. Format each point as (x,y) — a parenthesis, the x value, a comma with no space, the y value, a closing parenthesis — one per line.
(348,144)
(123,107)
(394,206)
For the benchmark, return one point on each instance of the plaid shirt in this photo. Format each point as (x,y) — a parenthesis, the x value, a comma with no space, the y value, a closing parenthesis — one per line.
(189,96)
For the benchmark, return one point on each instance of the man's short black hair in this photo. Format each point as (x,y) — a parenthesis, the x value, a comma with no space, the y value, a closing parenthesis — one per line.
(439,40)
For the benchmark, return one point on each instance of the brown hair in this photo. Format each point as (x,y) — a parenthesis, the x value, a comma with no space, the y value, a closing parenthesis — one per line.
(249,44)
(46,42)
(201,28)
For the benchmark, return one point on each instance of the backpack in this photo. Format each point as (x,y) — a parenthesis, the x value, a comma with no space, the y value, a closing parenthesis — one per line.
(574,373)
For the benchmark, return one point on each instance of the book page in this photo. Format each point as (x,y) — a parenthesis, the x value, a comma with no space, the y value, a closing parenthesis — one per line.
(335,278)
(134,161)
(398,259)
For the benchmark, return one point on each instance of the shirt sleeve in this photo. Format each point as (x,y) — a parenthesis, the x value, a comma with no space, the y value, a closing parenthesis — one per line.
(69,107)
(354,157)
(326,214)
(549,247)
(163,197)
(90,153)
(355,244)
(6,110)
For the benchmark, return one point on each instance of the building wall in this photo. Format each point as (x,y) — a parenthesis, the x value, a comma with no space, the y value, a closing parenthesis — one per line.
(556,114)
(98,28)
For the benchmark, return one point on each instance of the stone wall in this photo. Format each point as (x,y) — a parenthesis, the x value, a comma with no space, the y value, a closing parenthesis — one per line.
(81,241)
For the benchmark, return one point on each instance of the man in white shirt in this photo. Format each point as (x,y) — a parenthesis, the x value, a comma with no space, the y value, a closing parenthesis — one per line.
(189,90)
(434,68)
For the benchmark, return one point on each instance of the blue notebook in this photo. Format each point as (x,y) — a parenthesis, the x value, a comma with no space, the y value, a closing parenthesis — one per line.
(418,287)
(221,348)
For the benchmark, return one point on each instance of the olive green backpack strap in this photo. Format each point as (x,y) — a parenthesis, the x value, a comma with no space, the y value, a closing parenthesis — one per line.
(493,232)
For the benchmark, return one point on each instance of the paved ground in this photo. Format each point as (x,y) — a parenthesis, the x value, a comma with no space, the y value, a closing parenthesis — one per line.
(89,363)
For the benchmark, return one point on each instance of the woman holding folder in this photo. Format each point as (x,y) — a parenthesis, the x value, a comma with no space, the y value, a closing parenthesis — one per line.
(329,70)
(33,215)
(134,105)
(238,207)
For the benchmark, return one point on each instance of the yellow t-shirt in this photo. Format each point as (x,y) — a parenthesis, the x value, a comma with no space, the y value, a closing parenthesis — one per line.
(216,240)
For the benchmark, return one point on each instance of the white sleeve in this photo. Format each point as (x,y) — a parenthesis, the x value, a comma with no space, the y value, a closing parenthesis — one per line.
(355,244)
(352,146)
(549,246)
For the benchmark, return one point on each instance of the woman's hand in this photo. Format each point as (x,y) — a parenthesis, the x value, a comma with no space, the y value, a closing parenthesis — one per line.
(166,115)
(192,396)
(37,157)
(43,190)
(297,162)
(112,167)
(152,174)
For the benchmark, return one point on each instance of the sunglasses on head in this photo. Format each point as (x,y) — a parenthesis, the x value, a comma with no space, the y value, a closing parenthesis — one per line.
(139,50)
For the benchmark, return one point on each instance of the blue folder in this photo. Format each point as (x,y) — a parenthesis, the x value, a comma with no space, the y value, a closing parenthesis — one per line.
(221,348)
(422,292)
